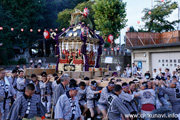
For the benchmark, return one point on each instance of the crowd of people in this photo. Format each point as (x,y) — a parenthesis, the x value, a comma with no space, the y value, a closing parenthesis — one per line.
(65,99)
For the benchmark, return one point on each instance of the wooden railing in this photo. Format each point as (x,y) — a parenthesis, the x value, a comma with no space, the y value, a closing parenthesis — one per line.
(134,39)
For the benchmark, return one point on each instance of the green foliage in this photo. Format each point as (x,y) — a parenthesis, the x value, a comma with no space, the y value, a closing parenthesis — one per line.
(22,61)
(64,16)
(110,16)
(157,20)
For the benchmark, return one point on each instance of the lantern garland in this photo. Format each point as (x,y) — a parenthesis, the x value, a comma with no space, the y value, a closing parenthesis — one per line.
(31,30)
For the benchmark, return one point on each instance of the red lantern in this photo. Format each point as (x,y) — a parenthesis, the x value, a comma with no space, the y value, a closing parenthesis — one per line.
(149,12)
(105,49)
(56,29)
(46,35)
(31,30)
(138,22)
(162,0)
(127,29)
(112,49)
(118,48)
(12,29)
(1,28)
(39,30)
(86,12)
(63,29)
(85,31)
(22,30)
(110,38)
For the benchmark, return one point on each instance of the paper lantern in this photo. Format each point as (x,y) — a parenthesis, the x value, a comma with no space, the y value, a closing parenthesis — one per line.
(22,30)
(31,30)
(63,29)
(46,35)
(138,22)
(86,12)
(162,0)
(1,28)
(39,30)
(149,12)
(110,38)
(12,29)
(117,35)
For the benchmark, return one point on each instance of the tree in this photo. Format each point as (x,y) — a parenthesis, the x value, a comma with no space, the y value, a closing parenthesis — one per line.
(157,20)
(110,16)
(64,16)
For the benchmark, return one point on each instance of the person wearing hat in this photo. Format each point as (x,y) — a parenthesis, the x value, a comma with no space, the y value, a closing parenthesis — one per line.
(128,98)
(91,96)
(67,106)
(102,103)
(147,99)
(6,91)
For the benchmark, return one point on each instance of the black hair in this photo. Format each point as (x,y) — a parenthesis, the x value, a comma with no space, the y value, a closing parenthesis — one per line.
(151,79)
(135,80)
(72,81)
(145,84)
(56,78)
(14,71)
(112,79)
(174,76)
(20,71)
(54,75)
(124,84)
(131,82)
(117,88)
(30,86)
(43,73)
(93,82)
(33,75)
(82,84)
(35,66)
(111,82)
(168,76)
(86,78)
(71,85)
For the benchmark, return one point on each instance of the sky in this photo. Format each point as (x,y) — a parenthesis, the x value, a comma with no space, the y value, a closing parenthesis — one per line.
(134,13)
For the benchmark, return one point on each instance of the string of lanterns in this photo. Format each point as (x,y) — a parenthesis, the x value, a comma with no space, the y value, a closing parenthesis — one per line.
(31,30)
